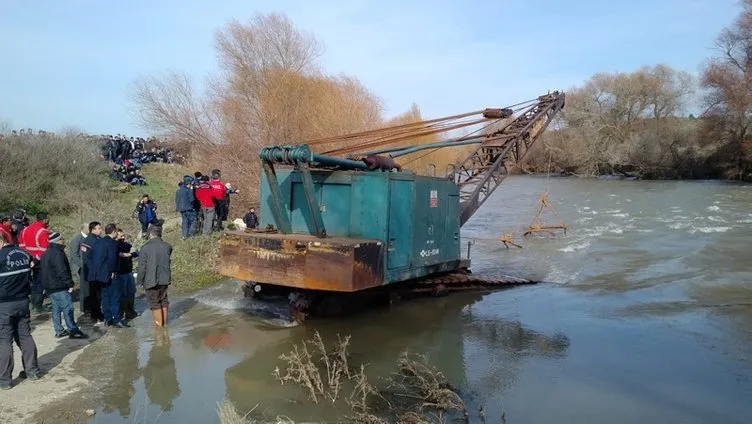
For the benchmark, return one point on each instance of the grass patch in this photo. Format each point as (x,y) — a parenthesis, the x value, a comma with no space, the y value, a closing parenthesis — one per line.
(65,176)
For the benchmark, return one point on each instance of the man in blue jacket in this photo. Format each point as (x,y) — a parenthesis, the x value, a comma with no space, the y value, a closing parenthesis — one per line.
(103,268)
(15,316)
(184,203)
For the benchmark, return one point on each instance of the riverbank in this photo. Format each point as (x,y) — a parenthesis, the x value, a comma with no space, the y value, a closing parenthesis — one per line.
(64,386)
(626,177)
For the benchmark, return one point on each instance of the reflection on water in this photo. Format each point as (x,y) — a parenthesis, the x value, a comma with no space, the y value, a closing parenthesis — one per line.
(439,328)
(160,375)
(646,318)
(125,373)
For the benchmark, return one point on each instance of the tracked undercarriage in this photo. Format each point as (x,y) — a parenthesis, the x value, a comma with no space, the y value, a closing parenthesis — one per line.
(311,303)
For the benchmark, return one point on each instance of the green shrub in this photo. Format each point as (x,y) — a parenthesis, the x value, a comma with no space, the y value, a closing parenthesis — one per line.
(56,174)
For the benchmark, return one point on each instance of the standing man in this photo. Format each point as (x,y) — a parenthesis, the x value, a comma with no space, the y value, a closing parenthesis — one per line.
(19,222)
(103,262)
(35,239)
(184,200)
(77,265)
(57,280)
(222,199)
(125,275)
(154,274)
(15,316)
(206,197)
(146,210)
(196,204)
(93,298)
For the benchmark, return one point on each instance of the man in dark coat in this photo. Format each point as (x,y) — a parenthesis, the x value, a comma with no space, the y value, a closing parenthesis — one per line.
(103,268)
(77,264)
(184,204)
(154,274)
(251,219)
(93,298)
(57,280)
(125,277)
(15,315)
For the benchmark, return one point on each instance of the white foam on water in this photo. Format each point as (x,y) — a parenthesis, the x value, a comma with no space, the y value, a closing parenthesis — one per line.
(620,215)
(715,219)
(610,227)
(645,230)
(679,225)
(744,221)
(708,230)
(666,220)
(575,246)
(558,275)
(613,211)
(584,220)
(713,208)
(613,195)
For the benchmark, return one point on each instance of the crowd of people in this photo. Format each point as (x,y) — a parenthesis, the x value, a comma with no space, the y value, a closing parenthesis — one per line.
(129,154)
(34,265)
(203,202)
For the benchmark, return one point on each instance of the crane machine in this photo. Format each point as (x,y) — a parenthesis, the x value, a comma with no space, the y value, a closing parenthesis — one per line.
(352,219)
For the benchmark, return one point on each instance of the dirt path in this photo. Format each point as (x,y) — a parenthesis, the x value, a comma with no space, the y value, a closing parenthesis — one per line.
(63,377)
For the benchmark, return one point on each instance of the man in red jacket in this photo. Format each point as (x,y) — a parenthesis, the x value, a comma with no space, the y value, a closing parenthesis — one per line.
(206,196)
(35,240)
(220,193)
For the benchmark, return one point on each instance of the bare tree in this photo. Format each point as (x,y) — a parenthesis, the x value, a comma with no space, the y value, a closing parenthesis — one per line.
(728,81)
(170,106)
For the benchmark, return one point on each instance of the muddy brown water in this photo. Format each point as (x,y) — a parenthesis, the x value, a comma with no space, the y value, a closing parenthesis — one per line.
(646,316)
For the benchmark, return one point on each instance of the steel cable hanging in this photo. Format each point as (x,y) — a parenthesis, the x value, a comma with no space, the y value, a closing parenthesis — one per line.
(398,133)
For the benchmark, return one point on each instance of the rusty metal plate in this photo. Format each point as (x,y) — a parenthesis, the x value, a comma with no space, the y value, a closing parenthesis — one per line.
(305,262)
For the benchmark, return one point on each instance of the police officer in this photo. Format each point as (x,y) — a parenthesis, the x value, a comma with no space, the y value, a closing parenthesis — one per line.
(15,315)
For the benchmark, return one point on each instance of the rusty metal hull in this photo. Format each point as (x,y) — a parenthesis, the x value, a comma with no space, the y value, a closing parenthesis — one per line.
(303,261)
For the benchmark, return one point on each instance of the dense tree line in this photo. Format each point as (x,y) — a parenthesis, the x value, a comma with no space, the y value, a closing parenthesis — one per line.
(637,123)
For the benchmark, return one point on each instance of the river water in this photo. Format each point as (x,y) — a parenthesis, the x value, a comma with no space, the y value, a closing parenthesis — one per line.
(645,316)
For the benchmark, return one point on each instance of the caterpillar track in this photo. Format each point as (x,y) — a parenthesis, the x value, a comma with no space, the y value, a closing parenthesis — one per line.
(313,304)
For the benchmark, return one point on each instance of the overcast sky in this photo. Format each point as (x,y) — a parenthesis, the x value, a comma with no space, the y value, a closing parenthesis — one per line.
(72,62)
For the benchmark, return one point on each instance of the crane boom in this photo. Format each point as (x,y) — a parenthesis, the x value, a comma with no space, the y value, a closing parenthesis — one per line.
(487,166)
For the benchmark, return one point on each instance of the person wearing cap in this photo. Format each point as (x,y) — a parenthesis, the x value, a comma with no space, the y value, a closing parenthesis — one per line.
(57,280)
(184,204)
(15,316)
